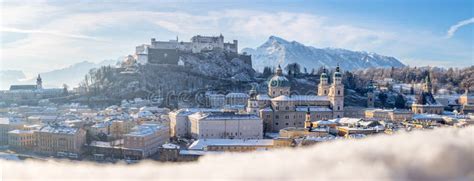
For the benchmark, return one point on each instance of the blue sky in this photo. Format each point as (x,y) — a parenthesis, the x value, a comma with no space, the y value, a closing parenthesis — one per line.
(40,36)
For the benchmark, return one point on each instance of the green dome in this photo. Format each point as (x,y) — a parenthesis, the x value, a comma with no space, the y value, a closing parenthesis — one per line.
(279,81)
(324,75)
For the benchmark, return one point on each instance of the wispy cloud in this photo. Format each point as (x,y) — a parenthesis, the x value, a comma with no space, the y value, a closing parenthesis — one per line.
(458,25)
(48,32)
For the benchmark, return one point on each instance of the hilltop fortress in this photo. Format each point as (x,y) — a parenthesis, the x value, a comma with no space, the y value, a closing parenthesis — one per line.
(169,52)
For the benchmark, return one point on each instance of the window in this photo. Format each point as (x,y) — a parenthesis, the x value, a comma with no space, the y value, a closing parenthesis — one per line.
(286,124)
(276,117)
(338,108)
(276,123)
(287,117)
(325,92)
(338,92)
(287,108)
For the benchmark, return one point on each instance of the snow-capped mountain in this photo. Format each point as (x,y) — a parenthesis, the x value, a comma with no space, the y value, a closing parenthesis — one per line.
(279,51)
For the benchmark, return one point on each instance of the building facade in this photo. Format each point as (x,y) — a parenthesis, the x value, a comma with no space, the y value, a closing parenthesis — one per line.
(278,109)
(147,138)
(56,140)
(225,125)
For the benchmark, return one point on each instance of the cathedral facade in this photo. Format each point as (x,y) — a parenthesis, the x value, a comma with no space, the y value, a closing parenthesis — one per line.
(279,109)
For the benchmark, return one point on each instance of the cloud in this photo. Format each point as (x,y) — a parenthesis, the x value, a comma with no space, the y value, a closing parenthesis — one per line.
(440,154)
(54,33)
(458,25)
(67,31)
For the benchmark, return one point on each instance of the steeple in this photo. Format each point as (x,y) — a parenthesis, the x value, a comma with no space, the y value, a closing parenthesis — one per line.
(428,86)
(279,71)
(39,82)
(337,68)
(307,122)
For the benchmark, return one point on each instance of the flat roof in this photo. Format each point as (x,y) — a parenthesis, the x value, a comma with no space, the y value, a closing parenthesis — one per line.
(202,143)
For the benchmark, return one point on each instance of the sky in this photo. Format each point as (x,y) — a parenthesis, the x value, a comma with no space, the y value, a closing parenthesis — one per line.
(39,36)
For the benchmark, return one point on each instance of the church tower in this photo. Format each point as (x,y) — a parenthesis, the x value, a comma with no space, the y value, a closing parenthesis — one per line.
(336,94)
(427,87)
(323,86)
(39,82)
(370,95)
(252,103)
(307,121)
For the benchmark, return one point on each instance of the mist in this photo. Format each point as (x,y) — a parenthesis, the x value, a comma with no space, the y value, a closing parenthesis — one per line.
(440,154)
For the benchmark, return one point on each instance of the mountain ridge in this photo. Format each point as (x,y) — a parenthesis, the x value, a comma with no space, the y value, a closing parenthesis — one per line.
(277,50)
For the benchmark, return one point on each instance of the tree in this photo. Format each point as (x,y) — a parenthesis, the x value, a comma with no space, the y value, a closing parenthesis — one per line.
(400,102)
(267,72)
(383,98)
(293,69)
(65,87)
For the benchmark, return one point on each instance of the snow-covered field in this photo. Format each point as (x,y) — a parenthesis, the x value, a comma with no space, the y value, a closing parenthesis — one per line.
(440,154)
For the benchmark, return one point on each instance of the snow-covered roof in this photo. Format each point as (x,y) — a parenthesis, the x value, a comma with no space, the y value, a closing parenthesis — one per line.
(346,120)
(189,111)
(427,117)
(17,131)
(235,94)
(223,115)
(58,129)
(313,108)
(263,97)
(145,129)
(170,146)
(300,98)
(203,143)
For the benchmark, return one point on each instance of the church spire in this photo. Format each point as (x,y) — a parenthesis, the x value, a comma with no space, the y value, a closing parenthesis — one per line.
(279,71)
(39,82)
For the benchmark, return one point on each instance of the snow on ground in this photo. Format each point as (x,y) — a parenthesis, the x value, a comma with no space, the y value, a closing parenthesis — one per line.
(439,154)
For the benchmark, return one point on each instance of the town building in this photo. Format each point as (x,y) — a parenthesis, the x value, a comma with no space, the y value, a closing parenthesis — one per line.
(225,125)
(180,125)
(147,138)
(21,139)
(278,109)
(60,140)
(467,102)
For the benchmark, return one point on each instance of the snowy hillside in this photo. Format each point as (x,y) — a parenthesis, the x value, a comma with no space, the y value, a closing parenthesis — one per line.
(279,51)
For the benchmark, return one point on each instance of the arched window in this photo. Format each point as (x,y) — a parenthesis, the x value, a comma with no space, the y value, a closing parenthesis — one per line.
(338,92)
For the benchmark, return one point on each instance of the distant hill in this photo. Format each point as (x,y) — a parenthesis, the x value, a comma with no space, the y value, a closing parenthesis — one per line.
(71,75)
(8,77)
(280,51)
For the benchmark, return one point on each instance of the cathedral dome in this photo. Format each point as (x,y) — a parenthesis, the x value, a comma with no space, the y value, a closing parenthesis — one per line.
(279,81)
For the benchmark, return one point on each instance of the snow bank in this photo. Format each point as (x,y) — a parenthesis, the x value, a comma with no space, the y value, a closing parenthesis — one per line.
(440,154)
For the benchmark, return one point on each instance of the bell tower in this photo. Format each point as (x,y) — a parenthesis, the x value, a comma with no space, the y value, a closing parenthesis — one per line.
(307,121)
(336,94)
(252,103)
(39,82)
(323,86)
